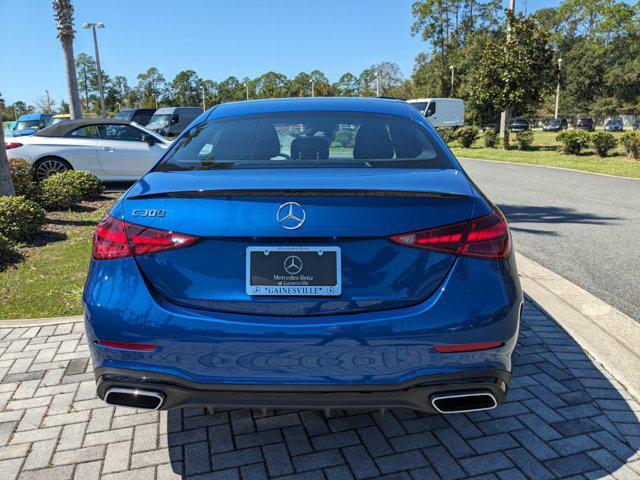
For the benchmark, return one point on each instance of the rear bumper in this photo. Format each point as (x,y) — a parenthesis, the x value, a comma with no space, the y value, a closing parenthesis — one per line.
(417,393)
(381,358)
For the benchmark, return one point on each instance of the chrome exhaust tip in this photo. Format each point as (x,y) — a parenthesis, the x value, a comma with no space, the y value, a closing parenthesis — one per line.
(134,398)
(463,402)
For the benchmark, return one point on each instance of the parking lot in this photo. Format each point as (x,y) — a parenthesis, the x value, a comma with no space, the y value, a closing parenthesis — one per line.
(565,418)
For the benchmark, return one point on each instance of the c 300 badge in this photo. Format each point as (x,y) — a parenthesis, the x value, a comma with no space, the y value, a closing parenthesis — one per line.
(143,212)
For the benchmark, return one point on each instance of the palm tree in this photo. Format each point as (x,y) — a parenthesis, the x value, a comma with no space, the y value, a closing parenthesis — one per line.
(63,12)
(6,185)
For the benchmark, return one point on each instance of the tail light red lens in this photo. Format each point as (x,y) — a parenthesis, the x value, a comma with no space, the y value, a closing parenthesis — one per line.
(139,347)
(9,146)
(114,238)
(470,347)
(483,237)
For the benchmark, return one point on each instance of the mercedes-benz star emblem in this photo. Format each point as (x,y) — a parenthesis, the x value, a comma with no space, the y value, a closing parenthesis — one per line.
(291,215)
(292,265)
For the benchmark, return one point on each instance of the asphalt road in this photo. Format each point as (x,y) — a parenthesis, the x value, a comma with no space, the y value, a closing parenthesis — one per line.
(582,226)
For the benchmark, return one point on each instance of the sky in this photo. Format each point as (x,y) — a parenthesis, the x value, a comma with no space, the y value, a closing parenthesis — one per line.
(216,38)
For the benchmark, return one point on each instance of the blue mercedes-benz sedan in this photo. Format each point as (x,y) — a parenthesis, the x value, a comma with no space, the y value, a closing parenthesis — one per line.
(304,253)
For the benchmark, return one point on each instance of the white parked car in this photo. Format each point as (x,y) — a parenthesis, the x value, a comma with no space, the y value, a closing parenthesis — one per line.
(441,112)
(113,150)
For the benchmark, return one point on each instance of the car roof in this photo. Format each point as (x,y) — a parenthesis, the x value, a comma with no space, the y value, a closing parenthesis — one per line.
(345,104)
(62,128)
(31,116)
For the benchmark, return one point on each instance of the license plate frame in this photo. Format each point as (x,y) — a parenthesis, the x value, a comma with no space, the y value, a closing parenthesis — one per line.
(296,282)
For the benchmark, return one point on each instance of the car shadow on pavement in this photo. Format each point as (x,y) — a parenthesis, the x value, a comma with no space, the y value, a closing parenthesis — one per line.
(564,417)
(518,215)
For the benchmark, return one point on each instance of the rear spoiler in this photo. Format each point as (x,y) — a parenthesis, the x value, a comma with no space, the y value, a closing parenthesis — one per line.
(297,193)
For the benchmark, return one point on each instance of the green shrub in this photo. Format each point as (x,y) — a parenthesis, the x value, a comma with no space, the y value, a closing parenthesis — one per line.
(20,218)
(504,141)
(87,183)
(491,138)
(603,142)
(22,176)
(573,141)
(630,143)
(6,251)
(467,135)
(524,139)
(448,134)
(59,191)
(346,138)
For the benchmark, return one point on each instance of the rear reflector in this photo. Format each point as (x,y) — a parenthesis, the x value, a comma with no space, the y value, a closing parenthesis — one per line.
(9,146)
(114,238)
(483,237)
(127,346)
(470,347)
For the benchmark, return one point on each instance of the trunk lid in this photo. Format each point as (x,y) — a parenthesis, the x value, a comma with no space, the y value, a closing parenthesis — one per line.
(352,209)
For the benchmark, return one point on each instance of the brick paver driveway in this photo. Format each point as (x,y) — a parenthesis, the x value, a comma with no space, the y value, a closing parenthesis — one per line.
(564,418)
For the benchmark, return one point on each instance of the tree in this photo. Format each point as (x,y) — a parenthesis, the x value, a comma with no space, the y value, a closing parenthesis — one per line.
(347,86)
(390,78)
(210,93)
(64,107)
(231,90)
(63,13)
(6,183)
(300,86)
(117,94)
(272,85)
(516,70)
(88,80)
(151,85)
(321,85)
(44,105)
(185,89)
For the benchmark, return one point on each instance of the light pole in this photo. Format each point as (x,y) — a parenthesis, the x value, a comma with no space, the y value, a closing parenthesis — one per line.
(453,68)
(313,88)
(48,101)
(246,88)
(93,27)
(377,84)
(558,88)
(504,115)
(204,105)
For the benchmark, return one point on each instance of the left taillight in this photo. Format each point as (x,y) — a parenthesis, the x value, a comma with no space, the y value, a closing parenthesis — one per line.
(9,146)
(483,237)
(114,238)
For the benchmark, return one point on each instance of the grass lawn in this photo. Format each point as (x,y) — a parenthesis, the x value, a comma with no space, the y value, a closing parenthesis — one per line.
(545,151)
(49,279)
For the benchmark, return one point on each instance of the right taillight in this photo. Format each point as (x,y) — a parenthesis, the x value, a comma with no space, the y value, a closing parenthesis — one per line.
(114,238)
(483,237)
(9,146)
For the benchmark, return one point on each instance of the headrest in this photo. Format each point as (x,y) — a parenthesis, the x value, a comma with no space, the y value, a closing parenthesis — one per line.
(242,141)
(310,148)
(405,140)
(267,142)
(372,142)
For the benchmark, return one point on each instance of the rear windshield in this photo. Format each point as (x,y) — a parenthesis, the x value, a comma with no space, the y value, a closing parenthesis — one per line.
(125,115)
(306,140)
(420,106)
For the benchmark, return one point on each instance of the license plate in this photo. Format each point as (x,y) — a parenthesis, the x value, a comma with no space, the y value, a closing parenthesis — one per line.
(293,271)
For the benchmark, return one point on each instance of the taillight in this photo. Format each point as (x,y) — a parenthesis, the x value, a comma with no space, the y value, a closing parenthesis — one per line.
(483,237)
(115,238)
(9,146)
(127,346)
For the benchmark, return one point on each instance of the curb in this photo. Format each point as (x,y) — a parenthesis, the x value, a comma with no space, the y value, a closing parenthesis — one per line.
(547,166)
(606,334)
(39,322)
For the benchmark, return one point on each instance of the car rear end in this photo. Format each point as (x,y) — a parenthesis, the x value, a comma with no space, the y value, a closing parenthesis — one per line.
(368,275)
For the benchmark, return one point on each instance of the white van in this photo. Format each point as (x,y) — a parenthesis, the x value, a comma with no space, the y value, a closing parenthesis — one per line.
(441,112)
